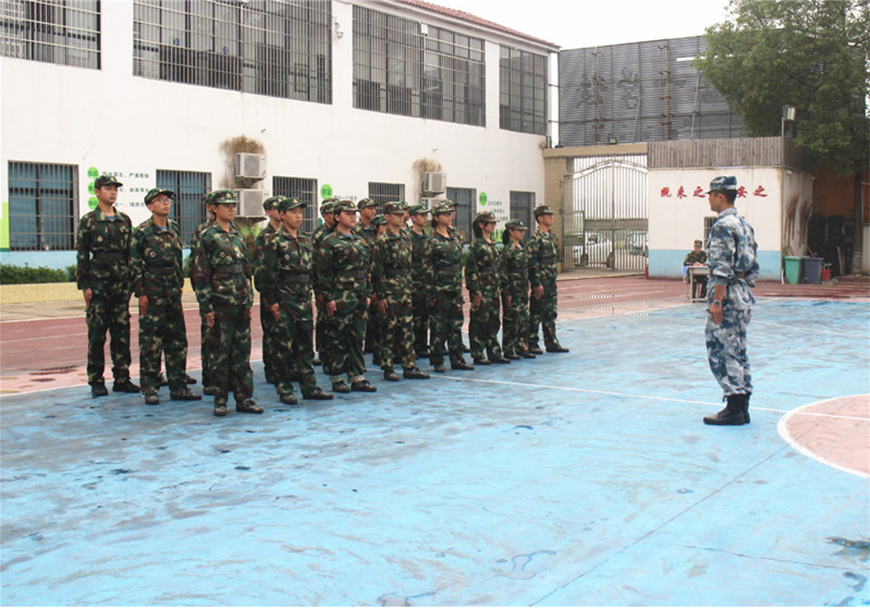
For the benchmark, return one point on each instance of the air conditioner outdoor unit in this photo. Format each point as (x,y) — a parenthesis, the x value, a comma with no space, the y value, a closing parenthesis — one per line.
(431,202)
(250,166)
(434,182)
(251,202)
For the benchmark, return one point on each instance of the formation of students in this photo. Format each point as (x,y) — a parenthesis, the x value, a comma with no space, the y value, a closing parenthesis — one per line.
(378,285)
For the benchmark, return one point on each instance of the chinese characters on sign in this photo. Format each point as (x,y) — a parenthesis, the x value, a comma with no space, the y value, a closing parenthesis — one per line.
(699,191)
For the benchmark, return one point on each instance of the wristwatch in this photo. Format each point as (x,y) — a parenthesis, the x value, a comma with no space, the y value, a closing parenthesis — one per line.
(717,303)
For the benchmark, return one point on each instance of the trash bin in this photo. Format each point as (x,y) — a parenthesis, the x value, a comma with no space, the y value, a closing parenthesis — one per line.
(793,269)
(812,270)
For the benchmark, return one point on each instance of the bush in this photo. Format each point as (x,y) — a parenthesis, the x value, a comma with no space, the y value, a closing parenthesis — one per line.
(16,274)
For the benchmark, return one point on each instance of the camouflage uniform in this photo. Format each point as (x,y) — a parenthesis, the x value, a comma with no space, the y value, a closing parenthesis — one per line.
(444,281)
(285,278)
(267,322)
(515,284)
(155,258)
(203,327)
(543,254)
(317,236)
(482,271)
(370,234)
(342,269)
(103,265)
(691,259)
(420,295)
(221,279)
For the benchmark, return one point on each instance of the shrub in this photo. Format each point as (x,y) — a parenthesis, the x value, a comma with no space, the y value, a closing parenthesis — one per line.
(16,274)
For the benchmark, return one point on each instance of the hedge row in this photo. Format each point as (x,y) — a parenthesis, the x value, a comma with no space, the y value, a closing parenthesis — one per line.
(16,274)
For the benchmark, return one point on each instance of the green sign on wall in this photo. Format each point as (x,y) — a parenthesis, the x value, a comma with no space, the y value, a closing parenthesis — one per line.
(325,191)
(482,199)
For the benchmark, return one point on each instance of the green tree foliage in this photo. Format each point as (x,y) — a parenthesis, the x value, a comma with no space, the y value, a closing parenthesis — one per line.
(810,54)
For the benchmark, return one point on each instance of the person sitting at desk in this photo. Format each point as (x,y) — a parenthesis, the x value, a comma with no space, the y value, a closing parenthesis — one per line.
(696,258)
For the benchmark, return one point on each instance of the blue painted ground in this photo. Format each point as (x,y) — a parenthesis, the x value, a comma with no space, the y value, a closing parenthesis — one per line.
(584,479)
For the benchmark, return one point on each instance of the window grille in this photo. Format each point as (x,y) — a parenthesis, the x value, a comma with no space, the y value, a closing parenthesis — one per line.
(43,198)
(522,91)
(522,206)
(188,206)
(305,190)
(709,221)
(63,32)
(279,48)
(464,200)
(400,70)
(382,193)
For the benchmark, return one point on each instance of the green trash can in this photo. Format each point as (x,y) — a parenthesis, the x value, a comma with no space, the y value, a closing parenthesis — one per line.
(812,270)
(793,269)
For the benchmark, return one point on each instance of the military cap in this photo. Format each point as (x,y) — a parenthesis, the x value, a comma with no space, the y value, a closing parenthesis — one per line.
(328,205)
(344,206)
(106,180)
(365,203)
(513,223)
(445,207)
(699,243)
(543,209)
(272,203)
(485,217)
(379,219)
(288,203)
(723,183)
(221,196)
(416,209)
(149,197)
(396,206)
(447,202)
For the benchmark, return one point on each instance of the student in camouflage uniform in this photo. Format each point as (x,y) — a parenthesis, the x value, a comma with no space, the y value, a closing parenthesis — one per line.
(482,274)
(515,292)
(221,278)
(267,322)
(375,322)
(543,254)
(368,230)
(342,267)
(207,385)
(444,279)
(327,213)
(732,258)
(158,281)
(693,259)
(103,275)
(420,297)
(391,270)
(285,283)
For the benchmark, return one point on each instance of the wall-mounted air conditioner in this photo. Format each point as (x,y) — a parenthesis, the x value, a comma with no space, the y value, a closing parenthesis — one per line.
(434,182)
(431,202)
(250,166)
(251,202)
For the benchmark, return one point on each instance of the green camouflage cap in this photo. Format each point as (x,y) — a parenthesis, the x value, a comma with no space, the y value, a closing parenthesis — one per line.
(327,206)
(221,196)
(418,208)
(157,191)
(379,219)
(288,203)
(396,206)
(365,203)
(344,206)
(272,203)
(485,217)
(513,223)
(106,180)
(543,209)
(445,207)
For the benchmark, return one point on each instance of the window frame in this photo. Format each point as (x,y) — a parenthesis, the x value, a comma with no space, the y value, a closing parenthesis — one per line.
(42,196)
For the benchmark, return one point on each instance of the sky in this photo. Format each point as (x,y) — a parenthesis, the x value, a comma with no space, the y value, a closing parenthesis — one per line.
(574,24)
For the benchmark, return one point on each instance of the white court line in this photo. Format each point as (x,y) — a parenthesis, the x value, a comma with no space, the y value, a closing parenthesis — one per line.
(788,438)
(803,329)
(643,396)
(81,315)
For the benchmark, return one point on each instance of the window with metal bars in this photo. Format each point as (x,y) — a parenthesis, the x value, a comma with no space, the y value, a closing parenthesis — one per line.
(188,207)
(43,199)
(522,91)
(464,200)
(280,48)
(522,206)
(303,189)
(63,32)
(383,192)
(402,67)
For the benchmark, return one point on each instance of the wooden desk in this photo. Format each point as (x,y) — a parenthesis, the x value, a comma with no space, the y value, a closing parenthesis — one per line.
(693,289)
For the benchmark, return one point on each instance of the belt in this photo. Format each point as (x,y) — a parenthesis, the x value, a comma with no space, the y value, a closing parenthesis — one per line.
(230,269)
(397,272)
(295,278)
(548,261)
(162,270)
(108,256)
(739,275)
(450,268)
(358,274)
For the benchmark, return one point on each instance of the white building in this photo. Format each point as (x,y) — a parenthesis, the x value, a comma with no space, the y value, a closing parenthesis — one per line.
(346,98)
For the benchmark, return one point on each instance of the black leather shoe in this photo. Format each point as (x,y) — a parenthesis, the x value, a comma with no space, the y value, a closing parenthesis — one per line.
(462,366)
(152,399)
(390,375)
(440,368)
(209,390)
(188,379)
(731,415)
(501,360)
(317,394)
(414,373)
(249,406)
(126,386)
(481,361)
(529,355)
(534,349)
(362,386)
(340,387)
(511,356)
(220,408)
(288,399)
(184,394)
(99,389)
(557,349)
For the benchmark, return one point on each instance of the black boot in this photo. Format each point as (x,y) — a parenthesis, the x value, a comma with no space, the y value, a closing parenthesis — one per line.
(731,415)
(746,408)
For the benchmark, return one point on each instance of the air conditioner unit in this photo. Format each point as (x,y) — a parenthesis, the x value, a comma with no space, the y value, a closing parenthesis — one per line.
(250,166)
(250,202)
(434,182)
(431,202)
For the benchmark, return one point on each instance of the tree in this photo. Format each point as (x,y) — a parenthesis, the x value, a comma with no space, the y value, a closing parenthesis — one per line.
(810,54)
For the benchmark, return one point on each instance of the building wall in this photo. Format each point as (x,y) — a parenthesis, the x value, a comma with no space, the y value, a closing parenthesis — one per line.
(114,122)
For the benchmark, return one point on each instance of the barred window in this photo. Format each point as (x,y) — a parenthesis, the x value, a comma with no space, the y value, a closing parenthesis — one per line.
(280,48)
(188,207)
(402,68)
(522,205)
(464,200)
(42,203)
(303,189)
(383,192)
(63,32)
(523,91)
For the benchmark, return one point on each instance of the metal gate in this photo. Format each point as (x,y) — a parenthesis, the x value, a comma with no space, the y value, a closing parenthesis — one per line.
(606,218)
